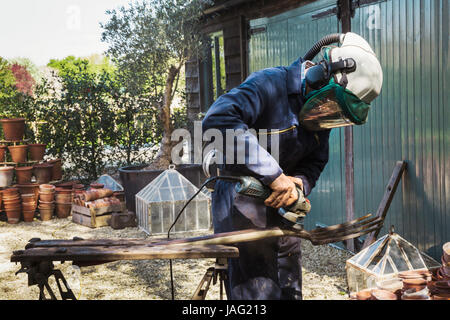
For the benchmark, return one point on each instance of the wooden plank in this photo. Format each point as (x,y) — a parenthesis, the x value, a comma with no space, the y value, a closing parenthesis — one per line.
(93,242)
(385,203)
(114,253)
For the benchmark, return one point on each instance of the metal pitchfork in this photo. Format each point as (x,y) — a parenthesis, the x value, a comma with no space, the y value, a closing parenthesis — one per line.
(317,236)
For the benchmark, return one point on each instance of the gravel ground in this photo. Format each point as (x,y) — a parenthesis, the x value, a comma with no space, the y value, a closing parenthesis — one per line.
(323,268)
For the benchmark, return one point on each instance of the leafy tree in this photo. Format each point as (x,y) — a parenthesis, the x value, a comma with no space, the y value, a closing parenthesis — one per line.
(24,80)
(17,93)
(7,81)
(29,65)
(150,41)
(80,120)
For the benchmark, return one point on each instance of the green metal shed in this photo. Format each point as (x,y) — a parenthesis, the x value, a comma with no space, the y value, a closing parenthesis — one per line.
(408,121)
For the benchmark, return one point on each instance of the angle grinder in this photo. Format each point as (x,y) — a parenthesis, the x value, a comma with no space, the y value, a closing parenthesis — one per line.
(293,215)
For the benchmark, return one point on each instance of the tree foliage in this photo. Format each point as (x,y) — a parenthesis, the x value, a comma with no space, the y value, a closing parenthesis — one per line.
(150,41)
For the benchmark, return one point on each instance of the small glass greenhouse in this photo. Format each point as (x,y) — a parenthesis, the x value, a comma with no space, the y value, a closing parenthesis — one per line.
(383,260)
(109,183)
(161,200)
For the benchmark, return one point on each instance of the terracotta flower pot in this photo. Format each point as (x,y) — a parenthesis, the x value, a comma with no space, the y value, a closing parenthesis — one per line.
(13,216)
(60,190)
(57,169)
(416,284)
(10,191)
(3,153)
(47,188)
(43,172)
(23,174)
(37,151)
(63,210)
(28,215)
(18,153)
(46,214)
(46,204)
(28,188)
(46,197)
(378,294)
(66,185)
(29,207)
(26,198)
(12,203)
(363,294)
(63,198)
(6,176)
(13,129)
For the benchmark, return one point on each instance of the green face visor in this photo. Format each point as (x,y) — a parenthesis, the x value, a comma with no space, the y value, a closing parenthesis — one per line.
(332,107)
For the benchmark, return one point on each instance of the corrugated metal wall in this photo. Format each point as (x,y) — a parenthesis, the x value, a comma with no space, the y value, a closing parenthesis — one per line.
(409,121)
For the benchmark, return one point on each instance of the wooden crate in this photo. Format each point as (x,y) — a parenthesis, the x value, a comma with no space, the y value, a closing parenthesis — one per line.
(95,218)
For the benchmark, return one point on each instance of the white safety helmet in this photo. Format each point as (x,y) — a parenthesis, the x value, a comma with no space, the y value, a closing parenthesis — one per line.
(343,84)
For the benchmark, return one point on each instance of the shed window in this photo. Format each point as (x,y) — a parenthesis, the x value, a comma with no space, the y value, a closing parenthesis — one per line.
(212,70)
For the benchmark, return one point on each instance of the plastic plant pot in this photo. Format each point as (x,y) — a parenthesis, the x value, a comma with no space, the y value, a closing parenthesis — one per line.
(18,153)
(6,176)
(13,129)
(23,174)
(36,151)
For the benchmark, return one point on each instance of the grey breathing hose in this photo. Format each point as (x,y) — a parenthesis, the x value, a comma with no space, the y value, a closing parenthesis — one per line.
(327,40)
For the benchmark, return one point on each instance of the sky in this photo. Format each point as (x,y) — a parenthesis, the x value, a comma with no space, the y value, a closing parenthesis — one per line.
(47,29)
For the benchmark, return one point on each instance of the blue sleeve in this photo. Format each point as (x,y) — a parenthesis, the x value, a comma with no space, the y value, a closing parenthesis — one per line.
(310,167)
(240,109)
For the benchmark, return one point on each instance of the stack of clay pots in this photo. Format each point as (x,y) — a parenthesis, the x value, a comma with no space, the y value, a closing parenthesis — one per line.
(46,201)
(29,188)
(63,199)
(28,206)
(12,204)
(440,286)
(415,284)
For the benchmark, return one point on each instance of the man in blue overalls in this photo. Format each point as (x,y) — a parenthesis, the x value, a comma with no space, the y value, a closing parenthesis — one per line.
(299,104)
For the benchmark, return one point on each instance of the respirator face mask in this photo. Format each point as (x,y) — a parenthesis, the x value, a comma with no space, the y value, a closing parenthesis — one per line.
(330,103)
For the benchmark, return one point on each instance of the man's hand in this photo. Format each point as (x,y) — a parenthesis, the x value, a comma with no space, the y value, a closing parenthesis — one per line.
(284,192)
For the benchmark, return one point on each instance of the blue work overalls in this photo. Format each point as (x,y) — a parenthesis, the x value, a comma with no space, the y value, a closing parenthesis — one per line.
(268,99)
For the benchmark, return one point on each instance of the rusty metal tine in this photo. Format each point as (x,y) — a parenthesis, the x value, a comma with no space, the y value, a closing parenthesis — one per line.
(342,238)
(349,230)
(345,224)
